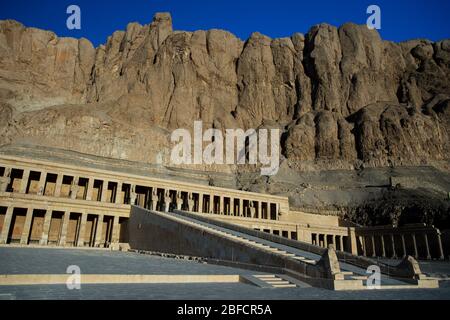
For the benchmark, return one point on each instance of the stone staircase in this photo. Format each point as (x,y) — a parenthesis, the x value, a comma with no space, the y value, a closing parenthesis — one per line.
(250,240)
(344,276)
(275,281)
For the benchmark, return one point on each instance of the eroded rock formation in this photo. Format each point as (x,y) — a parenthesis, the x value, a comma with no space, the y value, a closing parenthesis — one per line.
(341,95)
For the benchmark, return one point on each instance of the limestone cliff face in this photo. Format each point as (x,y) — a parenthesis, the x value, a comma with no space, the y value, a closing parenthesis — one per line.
(342,96)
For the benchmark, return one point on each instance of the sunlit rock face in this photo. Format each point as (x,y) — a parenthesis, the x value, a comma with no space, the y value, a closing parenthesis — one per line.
(341,95)
(343,98)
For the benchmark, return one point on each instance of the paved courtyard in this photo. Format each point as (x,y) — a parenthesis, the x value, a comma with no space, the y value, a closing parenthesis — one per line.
(55,261)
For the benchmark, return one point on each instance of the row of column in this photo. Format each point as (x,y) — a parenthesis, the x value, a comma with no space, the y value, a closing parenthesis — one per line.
(321,240)
(381,250)
(59,183)
(224,205)
(166,199)
(80,233)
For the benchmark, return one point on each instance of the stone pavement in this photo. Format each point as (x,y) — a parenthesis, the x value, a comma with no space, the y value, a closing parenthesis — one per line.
(55,261)
(226,291)
(40,261)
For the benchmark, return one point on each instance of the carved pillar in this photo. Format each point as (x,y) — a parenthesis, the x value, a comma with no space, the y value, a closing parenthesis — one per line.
(6,225)
(154,199)
(116,230)
(374,253)
(27,227)
(99,231)
(221,205)
(260,210)
(59,180)
(41,185)
(65,225)
(383,249)
(427,246)
(441,251)
(82,230)
(200,203)
(90,189)
(211,203)
(416,254)
(403,245)
(241,207)
(24,182)
(104,194)
(394,253)
(46,227)
(74,187)
(363,245)
(179,200)
(252,209)
(133,194)
(352,245)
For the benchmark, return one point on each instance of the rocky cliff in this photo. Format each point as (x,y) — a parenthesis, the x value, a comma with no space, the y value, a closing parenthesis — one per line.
(343,97)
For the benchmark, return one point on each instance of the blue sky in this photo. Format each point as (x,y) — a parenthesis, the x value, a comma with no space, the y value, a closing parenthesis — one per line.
(401,19)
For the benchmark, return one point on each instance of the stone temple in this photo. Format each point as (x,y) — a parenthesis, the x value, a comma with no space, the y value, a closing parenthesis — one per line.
(58,199)
(360,201)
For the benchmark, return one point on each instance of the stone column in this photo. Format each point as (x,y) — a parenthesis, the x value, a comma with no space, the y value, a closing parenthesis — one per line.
(90,189)
(155,198)
(416,254)
(179,200)
(65,225)
(259,210)
(252,208)
(427,246)
(59,180)
(24,182)
(46,227)
(341,243)
(27,227)
(325,241)
(82,231)
(104,191)
(374,253)
(98,231)
(167,200)
(200,203)
(6,225)
(41,185)
(394,253)
(74,187)
(363,245)
(383,249)
(403,245)
(119,195)
(241,207)
(115,231)
(352,241)
(441,251)
(221,205)
(277,210)
(211,203)
(133,194)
